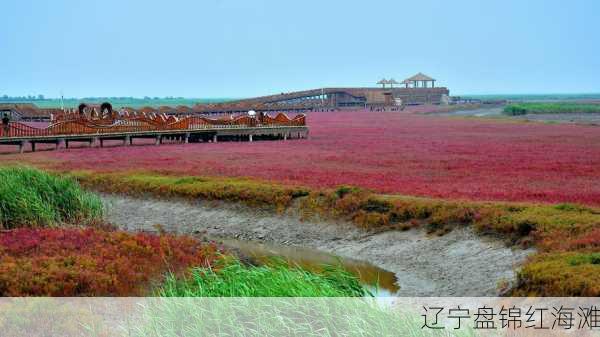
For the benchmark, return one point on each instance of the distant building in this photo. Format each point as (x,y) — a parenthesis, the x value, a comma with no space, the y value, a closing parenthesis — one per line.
(26,112)
(417,89)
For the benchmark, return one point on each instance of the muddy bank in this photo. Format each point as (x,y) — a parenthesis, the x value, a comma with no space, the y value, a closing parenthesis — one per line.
(460,263)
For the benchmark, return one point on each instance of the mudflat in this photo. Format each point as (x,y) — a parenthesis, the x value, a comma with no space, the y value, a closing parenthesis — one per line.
(460,263)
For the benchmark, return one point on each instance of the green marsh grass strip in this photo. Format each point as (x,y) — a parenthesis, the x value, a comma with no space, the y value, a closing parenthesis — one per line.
(550,108)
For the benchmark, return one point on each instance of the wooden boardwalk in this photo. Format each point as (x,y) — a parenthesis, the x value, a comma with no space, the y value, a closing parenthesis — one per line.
(94,130)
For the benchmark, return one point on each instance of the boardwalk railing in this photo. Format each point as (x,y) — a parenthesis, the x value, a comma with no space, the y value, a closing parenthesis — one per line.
(126,124)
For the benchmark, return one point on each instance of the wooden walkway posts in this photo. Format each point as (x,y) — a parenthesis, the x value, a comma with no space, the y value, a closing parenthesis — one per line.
(242,133)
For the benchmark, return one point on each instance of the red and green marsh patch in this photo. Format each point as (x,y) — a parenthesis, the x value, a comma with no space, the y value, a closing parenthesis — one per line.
(92,262)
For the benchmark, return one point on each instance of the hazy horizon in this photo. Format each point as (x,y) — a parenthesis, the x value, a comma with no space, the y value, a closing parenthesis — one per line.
(234,98)
(229,48)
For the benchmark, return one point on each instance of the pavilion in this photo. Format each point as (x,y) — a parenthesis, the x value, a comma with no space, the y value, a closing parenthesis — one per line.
(391,82)
(419,80)
(383,82)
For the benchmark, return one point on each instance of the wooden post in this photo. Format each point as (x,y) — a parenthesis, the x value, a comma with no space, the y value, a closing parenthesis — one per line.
(186,138)
(66,143)
(101,142)
(126,141)
(22,146)
(158,140)
(214,138)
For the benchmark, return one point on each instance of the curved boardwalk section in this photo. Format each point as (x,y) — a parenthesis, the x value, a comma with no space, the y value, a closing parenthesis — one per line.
(94,128)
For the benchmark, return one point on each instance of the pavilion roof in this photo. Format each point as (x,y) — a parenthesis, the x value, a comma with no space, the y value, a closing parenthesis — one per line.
(419,77)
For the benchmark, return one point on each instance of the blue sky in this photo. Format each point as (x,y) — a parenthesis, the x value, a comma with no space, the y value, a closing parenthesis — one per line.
(240,48)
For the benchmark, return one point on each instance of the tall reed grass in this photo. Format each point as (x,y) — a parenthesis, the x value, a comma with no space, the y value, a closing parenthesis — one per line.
(272,280)
(32,198)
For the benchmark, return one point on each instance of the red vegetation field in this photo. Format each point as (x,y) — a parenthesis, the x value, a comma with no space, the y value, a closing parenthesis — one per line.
(391,152)
(90,262)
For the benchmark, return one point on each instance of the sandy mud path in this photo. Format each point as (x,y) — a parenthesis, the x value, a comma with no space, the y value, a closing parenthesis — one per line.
(460,263)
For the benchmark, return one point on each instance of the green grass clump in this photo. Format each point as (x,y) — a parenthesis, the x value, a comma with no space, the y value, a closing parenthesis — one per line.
(560,274)
(273,280)
(32,198)
(548,108)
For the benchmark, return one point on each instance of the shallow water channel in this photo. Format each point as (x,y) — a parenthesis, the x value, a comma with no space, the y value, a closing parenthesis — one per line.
(378,281)
(460,263)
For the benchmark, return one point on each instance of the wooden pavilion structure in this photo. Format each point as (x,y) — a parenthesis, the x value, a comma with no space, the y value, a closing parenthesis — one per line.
(419,80)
